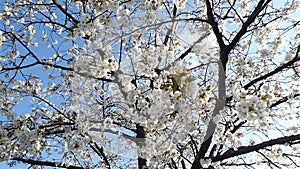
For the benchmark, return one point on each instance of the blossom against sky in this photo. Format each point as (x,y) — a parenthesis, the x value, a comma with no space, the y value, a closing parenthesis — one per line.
(114,67)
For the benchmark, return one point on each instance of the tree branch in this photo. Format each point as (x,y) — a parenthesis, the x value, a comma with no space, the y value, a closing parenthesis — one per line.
(65,12)
(101,151)
(282,100)
(260,6)
(278,69)
(247,149)
(45,163)
(220,104)
(170,29)
(214,24)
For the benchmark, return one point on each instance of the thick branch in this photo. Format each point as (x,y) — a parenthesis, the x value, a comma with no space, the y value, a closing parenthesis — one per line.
(171,29)
(282,100)
(260,6)
(278,69)
(247,149)
(101,151)
(140,134)
(224,49)
(220,104)
(45,163)
(65,12)
(214,24)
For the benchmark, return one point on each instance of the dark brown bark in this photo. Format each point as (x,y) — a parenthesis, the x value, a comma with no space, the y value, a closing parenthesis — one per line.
(247,149)
(140,133)
(224,54)
(275,71)
(46,163)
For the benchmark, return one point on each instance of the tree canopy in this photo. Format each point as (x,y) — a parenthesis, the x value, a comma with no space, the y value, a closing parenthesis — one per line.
(150,84)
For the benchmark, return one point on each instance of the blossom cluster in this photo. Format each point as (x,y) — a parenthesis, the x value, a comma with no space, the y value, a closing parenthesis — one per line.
(252,107)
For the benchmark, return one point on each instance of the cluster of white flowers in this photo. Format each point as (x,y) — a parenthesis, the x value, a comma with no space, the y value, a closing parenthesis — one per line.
(180,3)
(123,16)
(90,66)
(26,139)
(161,96)
(2,38)
(12,54)
(252,107)
(157,89)
(98,63)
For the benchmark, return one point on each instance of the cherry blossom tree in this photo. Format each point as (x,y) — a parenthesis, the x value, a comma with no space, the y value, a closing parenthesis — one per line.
(150,84)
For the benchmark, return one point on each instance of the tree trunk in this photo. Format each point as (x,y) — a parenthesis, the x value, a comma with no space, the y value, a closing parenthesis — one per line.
(140,134)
